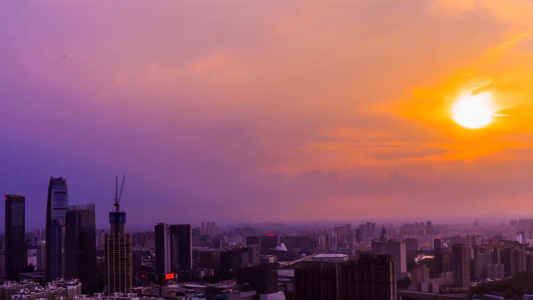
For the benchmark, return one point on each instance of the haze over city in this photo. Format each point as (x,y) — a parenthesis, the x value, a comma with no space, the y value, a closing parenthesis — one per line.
(259,111)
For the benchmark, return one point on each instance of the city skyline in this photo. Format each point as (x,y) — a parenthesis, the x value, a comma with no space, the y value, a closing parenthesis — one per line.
(259,112)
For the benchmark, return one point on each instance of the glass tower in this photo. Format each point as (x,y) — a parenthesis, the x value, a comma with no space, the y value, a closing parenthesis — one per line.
(55,228)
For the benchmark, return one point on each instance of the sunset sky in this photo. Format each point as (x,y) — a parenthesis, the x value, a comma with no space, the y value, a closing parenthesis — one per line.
(267,110)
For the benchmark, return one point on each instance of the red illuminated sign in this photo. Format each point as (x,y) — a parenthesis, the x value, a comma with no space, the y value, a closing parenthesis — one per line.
(170,276)
(271,234)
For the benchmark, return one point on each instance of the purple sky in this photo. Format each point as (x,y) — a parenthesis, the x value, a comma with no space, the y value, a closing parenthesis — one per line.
(266,110)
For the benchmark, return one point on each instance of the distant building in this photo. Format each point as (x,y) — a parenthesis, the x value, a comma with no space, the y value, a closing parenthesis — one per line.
(396,250)
(173,247)
(41,255)
(461,265)
(418,274)
(55,228)
(371,277)
(80,249)
(181,247)
(15,213)
(268,242)
(162,248)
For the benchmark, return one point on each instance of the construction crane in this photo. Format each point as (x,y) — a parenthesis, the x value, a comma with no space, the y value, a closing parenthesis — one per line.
(117,218)
(118,196)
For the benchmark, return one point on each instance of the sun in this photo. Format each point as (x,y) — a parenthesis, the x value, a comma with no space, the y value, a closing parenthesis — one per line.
(473,111)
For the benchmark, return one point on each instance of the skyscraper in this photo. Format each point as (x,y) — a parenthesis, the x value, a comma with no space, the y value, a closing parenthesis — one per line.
(461,265)
(118,252)
(16,258)
(162,248)
(55,228)
(181,247)
(80,249)
(173,248)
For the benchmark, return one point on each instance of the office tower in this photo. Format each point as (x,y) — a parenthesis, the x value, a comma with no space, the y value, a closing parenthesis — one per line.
(55,228)
(181,247)
(461,265)
(16,259)
(394,249)
(41,255)
(173,248)
(162,248)
(118,251)
(437,244)
(317,280)
(371,277)
(80,248)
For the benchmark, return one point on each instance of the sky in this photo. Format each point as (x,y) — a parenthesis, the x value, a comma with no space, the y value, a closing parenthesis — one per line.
(257,111)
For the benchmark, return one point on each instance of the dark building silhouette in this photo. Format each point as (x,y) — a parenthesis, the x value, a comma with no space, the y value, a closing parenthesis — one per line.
(371,277)
(173,248)
(315,280)
(118,254)
(253,240)
(162,248)
(461,265)
(262,278)
(181,248)
(80,248)
(55,228)
(268,242)
(16,259)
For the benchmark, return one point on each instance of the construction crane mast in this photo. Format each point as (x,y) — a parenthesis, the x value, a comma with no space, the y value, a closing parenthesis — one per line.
(117,219)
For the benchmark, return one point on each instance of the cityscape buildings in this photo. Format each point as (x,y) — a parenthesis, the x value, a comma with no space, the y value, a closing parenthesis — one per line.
(55,228)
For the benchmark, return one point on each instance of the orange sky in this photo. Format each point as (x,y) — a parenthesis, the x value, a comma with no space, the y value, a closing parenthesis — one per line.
(287,110)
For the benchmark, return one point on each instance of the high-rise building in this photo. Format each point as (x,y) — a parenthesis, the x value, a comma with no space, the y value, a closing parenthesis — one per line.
(371,277)
(162,248)
(80,249)
(394,249)
(55,228)
(41,255)
(461,265)
(181,247)
(16,258)
(173,248)
(118,253)
(317,280)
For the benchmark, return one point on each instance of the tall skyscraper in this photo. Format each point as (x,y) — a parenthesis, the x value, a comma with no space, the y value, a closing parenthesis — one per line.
(461,265)
(55,228)
(118,252)
(80,249)
(181,247)
(173,248)
(16,258)
(162,248)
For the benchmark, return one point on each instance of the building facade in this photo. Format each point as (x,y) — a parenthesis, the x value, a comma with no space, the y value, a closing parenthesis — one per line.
(80,248)
(55,228)
(15,218)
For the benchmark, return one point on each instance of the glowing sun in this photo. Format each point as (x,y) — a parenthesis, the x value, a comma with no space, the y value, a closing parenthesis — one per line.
(473,111)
